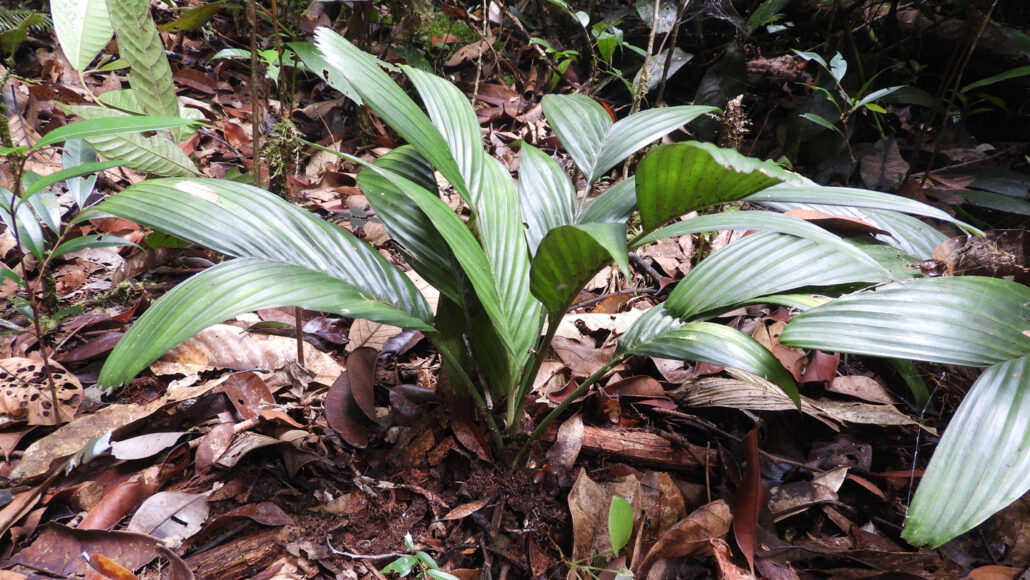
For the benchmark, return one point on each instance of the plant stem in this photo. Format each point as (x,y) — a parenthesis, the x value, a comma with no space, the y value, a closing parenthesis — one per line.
(517,404)
(255,92)
(557,411)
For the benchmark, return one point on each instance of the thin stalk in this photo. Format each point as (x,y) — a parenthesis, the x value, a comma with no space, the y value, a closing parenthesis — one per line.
(517,404)
(465,383)
(255,92)
(557,411)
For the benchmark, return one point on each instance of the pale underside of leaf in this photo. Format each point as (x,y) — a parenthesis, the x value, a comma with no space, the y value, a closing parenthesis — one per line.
(83,28)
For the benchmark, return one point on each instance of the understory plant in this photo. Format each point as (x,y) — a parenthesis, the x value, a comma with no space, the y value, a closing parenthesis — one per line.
(508,273)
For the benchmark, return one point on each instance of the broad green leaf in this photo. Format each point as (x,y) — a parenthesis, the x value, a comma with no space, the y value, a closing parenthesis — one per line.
(11,39)
(243,221)
(386,98)
(9,274)
(47,208)
(675,179)
(721,345)
(84,242)
(812,56)
(9,150)
(76,154)
(100,125)
(230,289)
(123,99)
(569,256)
(616,204)
(402,566)
(308,54)
(879,94)
(652,323)
(597,144)
(1017,72)
(620,523)
(966,320)
(761,264)
(83,28)
(24,222)
(982,463)
(821,121)
(452,115)
(140,44)
(547,197)
(69,173)
(838,66)
(997,201)
(759,220)
(810,193)
(407,224)
(195,18)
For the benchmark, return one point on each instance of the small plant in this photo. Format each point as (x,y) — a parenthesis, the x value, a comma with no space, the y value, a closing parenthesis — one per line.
(620,529)
(507,276)
(847,105)
(418,562)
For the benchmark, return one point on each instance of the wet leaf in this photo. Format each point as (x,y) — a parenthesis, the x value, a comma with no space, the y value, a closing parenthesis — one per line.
(747,506)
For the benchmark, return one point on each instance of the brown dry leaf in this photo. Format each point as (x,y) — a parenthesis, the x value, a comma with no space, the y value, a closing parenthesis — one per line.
(690,536)
(368,334)
(108,567)
(793,498)
(229,347)
(614,323)
(861,387)
(57,550)
(582,355)
(566,446)
(466,509)
(171,516)
(212,445)
(343,414)
(883,167)
(994,573)
(471,437)
(724,561)
(71,438)
(247,393)
(26,392)
(750,500)
(146,445)
(589,503)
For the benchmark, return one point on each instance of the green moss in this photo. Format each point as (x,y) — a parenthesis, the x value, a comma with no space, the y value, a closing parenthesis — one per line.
(439,25)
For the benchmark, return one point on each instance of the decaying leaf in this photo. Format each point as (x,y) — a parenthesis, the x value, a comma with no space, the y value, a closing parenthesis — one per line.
(689,537)
(27,394)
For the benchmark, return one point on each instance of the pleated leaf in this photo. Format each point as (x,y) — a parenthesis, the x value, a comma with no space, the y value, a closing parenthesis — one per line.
(761,264)
(968,320)
(982,463)
(546,195)
(721,345)
(232,288)
(597,144)
(569,256)
(407,224)
(83,28)
(760,220)
(793,192)
(675,179)
(911,235)
(139,44)
(157,155)
(616,204)
(100,122)
(389,101)
(240,220)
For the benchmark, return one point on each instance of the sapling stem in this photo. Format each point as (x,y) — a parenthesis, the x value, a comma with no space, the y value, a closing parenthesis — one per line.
(517,404)
(557,411)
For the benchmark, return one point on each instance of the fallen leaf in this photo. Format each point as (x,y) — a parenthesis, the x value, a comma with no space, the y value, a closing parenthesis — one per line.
(690,536)
(750,499)
(145,446)
(343,414)
(27,393)
(171,516)
(861,387)
(466,509)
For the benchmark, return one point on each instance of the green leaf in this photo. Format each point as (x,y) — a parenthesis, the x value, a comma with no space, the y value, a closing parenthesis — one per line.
(812,56)
(821,121)
(122,99)
(407,224)
(140,44)
(759,220)
(595,143)
(156,155)
(194,18)
(877,95)
(838,66)
(46,207)
(107,126)
(243,221)
(10,40)
(76,154)
(401,566)
(721,345)
(569,256)
(675,179)
(9,274)
(1017,72)
(547,197)
(386,98)
(308,54)
(230,289)
(83,28)
(761,264)
(9,150)
(81,243)
(440,575)
(966,320)
(30,234)
(981,464)
(616,204)
(620,523)
(72,172)
(811,193)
